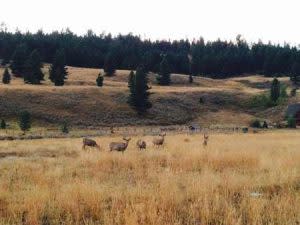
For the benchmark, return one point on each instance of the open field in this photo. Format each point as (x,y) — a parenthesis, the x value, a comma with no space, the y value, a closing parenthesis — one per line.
(84,105)
(237,179)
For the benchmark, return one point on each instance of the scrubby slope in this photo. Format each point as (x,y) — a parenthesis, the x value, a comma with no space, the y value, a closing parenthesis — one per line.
(83,104)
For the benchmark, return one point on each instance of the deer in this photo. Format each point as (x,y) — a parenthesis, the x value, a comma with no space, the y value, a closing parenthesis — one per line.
(119,146)
(141,144)
(159,141)
(205,141)
(90,143)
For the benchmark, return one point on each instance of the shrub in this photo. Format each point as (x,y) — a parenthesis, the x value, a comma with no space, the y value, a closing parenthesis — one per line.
(64,128)
(265,125)
(3,124)
(293,92)
(99,80)
(291,122)
(201,100)
(261,101)
(283,91)
(255,123)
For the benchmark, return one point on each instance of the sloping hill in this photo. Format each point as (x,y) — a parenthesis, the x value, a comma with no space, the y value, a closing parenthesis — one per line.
(84,105)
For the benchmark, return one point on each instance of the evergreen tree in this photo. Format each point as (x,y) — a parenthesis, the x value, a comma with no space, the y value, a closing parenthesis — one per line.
(6,77)
(58,71)
(139,91)
(25,121)
(163,77)
(3,124)
(18,60)
(99,80)
(110,65)
(33,73)
(295,73)
(275,90)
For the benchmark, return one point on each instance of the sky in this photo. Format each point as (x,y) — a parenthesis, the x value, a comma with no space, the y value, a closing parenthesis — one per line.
(269,20)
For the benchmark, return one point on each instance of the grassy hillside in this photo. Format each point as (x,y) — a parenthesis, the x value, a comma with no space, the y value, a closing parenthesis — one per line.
(237,179)
(84,105)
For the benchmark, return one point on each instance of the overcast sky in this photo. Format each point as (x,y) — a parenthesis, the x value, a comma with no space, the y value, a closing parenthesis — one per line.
(275,20)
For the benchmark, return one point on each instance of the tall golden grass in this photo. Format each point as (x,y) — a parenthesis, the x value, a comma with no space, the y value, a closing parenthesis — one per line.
(237,179)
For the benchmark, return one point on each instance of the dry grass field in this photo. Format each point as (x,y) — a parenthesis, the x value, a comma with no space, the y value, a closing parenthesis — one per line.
(83,104)
(237,179)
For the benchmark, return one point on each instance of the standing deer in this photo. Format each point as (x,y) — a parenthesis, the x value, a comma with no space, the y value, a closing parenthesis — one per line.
(159,141)
(90,143)
(205,141)
(119,146)
(141,144)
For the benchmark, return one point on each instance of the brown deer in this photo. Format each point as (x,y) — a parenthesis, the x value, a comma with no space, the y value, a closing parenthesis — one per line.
(159,141)
(119,146)
(141,144)
(90,143)
(205,141)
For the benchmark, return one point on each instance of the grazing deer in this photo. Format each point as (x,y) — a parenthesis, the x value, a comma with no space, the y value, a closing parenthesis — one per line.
(159,141)
(141,144)
(90,143)
(119,146)
(205,141)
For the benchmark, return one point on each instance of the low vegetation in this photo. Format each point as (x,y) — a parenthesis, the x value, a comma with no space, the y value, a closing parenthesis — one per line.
(236,179)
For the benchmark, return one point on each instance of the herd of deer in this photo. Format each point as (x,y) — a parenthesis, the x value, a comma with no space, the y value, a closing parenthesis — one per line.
(140,144)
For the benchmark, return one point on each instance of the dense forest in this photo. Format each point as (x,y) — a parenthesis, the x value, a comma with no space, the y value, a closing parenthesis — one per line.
(218,59)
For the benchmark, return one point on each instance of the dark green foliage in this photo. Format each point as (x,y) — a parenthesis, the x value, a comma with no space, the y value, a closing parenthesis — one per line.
(139,91)
(275,90)
(163,77)
(33,73)
(65,128)
(58,71)
(283,91)
(201,100)
(218,58)
(6,77)
(260,101)
(99,80)
(255,123)
(3,124)
(291,122)
(265,125)
(295,73)
(293,92)
(25,121)
(18,60)
(110,65)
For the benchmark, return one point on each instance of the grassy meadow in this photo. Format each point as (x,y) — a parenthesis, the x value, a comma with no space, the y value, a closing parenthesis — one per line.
(237,179)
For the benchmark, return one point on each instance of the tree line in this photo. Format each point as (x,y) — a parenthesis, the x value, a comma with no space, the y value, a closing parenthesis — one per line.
(219,59)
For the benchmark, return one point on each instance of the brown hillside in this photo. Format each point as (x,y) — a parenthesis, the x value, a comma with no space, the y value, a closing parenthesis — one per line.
(83,104)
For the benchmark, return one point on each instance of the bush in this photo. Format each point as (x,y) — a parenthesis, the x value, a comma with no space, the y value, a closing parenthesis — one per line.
(3,124)
(265,125)
(291,122)
(99,80)
(64,128)
(201,100)
(255,123)
(283,91)
(261,101)
(293,92)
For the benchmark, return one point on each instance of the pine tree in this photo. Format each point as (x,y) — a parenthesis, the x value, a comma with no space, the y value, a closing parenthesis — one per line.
(275,90)
(139,91)
(109,65)
(163,77)
(295,73)
(3,124)
(18,60)
(33,73)
(6,77)
(99,80)
(58,71)
(25,121)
